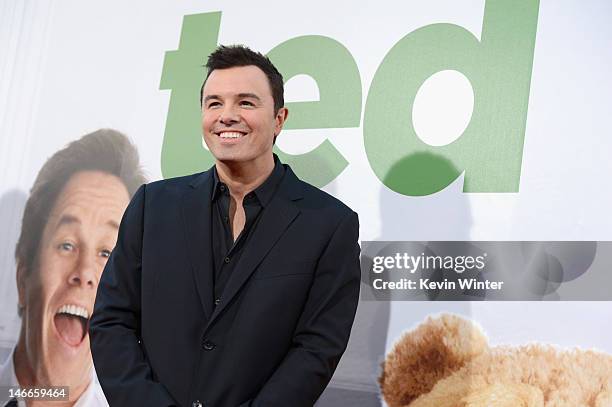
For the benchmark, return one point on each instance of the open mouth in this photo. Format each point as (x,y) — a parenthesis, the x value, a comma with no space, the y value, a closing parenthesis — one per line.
(228,135)
(71,322)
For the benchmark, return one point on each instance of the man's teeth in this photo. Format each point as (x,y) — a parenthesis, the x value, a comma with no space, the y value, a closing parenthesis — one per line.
(230,134)
(74,310)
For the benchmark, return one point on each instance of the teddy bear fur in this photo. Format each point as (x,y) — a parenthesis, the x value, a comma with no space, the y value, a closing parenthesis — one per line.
(447,362)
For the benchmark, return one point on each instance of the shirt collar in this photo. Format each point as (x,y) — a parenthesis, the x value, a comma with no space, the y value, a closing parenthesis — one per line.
(264,192)
(7,371)
(216,191)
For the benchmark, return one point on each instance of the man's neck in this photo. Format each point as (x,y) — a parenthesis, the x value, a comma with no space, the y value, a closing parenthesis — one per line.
(27,377)
(23,371)
(242,178)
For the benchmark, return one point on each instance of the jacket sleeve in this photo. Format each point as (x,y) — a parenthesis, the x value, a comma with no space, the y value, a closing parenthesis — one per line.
(121,365)
(323,329)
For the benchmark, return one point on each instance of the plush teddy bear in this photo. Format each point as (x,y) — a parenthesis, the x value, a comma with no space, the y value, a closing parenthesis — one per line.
(446,362)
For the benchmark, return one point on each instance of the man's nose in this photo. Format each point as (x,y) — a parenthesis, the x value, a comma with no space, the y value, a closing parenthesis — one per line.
(84,274)
(229,115)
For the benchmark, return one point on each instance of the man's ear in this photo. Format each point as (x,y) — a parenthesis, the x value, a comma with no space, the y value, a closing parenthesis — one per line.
(281,116)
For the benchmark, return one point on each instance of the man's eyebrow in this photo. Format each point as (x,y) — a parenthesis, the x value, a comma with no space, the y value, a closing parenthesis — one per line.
(240,95)
(71,219)
(67,220)
(209,97)
(248,95)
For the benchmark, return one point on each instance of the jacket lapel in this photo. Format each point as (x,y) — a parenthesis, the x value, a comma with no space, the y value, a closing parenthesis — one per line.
(275,219)
(196,211)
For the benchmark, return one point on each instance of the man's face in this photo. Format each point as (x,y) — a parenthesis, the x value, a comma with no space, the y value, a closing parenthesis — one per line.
(58,296)
(238,119)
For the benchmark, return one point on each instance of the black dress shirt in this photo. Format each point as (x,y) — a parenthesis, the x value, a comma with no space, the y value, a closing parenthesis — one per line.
(227,251)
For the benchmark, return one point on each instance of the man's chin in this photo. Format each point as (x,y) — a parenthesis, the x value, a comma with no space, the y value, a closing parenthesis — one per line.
(230,158)
(67,361)
(69,371)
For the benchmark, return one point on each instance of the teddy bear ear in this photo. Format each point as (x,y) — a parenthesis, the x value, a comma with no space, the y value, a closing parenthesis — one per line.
(434,350)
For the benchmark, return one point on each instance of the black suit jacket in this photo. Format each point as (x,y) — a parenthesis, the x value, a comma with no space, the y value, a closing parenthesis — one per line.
(158,339)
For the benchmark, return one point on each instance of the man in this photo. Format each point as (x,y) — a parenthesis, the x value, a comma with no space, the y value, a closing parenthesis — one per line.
(69,228)
(236,286)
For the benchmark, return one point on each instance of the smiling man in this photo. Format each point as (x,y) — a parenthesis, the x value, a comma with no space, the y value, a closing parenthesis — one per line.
(69,228)
(236,286)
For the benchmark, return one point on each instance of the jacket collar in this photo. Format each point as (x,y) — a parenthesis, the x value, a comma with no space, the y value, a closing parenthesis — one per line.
(290,187)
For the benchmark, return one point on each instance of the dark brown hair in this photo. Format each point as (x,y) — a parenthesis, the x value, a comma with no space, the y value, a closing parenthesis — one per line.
(230,56)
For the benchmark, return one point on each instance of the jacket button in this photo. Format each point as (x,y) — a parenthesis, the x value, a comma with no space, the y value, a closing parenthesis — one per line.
(208,345)
(197,404)
(217,301)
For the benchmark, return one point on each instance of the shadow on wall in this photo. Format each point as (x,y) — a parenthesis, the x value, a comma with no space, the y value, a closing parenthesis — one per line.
(444,215)
(12,204)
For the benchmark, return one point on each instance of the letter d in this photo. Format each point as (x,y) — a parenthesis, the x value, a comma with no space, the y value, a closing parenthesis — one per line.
(499,68)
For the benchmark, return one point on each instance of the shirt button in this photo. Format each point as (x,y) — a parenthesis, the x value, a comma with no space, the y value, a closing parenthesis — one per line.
(226,260)
(222,188)
(208,345)
(217,301)
(196,404)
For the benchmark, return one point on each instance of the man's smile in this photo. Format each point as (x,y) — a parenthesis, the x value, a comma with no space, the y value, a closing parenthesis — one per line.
(71,322)
(231,134)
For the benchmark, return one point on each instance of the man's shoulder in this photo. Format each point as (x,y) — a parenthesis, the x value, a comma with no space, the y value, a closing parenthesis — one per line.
(322,213)
(175,185)
(321,202)
(7,369)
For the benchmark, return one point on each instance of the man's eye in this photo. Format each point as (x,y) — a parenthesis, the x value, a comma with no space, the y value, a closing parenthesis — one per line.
(213,105)
(66,246)
(247,103)
(105,253)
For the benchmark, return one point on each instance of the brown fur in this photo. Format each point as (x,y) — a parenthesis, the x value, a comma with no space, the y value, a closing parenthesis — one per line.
(446,362)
